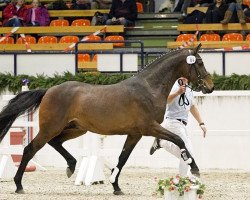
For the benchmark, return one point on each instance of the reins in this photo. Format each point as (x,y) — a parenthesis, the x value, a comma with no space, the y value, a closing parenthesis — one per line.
(183,100)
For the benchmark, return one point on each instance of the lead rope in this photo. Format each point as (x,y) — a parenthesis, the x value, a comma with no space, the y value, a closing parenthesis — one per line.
(183,100)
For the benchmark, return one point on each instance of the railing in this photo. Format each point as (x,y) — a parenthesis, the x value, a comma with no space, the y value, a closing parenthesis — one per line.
(219,61)
(125,50)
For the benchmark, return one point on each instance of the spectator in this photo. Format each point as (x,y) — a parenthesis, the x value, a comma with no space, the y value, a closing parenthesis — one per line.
(3,4)
(37,15)
(234,7)
(122,12)
(192,3)
(216,12)
(164,6)
(81,4)
(15,14)
(57,5)
(101,4)
(247,13)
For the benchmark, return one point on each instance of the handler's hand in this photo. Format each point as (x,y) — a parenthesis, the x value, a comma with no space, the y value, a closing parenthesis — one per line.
(181,90)
(204,129)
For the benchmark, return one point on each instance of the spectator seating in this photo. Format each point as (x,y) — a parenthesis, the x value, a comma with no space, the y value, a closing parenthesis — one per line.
(185,37)
(191,9)
(115,38)
(59,22)
(63,30)
(232,37)
(80,22)
(246,2)
(71,13)
(85,63)
(211,44)
(213,41)
(83,57)
(28,38)
(8,40)
(94,59)
(74,13)
(139,7)
(47,40)
(69,39)
(210,37)
(248,37)
(94,38)
(214,27)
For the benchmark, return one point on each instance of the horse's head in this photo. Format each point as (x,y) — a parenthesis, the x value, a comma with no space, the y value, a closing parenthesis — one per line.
(198,75)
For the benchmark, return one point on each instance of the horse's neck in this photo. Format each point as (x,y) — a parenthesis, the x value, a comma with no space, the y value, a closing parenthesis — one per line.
(163,76)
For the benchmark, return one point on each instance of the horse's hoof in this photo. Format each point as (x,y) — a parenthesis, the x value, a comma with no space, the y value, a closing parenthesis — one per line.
(98,182)
(195,172)
(69,172)
(21,191)
(118,192)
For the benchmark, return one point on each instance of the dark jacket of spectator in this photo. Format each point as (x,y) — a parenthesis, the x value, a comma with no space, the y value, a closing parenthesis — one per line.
(216,11)
(81,5)
(41,16)
(126,9)
(10,11)
(101,4)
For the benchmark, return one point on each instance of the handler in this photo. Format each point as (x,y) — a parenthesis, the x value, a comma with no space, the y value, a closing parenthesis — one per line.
(180,101)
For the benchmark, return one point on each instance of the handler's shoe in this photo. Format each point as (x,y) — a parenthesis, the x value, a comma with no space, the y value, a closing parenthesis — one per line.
(155,146)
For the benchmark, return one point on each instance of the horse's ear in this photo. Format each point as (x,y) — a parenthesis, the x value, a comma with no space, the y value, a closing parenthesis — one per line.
(196,50)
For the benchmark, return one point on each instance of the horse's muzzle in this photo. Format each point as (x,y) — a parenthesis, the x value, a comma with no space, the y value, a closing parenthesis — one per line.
(206,90)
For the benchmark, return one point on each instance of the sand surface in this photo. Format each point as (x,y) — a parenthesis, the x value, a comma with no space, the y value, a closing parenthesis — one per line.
(136,183)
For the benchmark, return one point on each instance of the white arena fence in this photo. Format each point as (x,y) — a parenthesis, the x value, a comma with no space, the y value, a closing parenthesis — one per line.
(226,115)
(219,62)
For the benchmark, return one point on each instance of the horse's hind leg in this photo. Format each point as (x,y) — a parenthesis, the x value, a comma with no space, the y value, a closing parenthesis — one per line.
(57,142)
(128,147)
(29,151)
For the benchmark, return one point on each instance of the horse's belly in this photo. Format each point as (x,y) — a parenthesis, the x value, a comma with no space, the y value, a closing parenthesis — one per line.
(107,123)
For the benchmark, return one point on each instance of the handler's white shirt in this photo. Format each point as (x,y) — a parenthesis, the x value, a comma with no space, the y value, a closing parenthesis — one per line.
(174,110)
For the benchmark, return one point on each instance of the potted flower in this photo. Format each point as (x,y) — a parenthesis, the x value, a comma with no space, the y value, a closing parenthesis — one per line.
(181,188)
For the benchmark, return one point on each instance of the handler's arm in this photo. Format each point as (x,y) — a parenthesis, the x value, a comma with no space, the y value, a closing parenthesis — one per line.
(195,112)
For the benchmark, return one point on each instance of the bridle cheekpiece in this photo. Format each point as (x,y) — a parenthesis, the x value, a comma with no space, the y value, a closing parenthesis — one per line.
(191,60)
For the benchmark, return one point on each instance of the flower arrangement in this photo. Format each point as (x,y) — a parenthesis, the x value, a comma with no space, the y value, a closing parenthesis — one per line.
(181,184)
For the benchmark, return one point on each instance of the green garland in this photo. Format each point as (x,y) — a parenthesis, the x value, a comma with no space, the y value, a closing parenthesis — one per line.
(14,83)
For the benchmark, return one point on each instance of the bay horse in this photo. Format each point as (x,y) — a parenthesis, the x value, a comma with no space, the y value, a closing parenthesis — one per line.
(134,107)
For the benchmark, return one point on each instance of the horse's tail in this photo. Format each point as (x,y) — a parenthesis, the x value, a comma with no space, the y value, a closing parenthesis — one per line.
(17,106)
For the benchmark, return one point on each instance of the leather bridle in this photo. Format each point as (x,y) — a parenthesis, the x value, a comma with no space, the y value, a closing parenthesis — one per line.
(200,82)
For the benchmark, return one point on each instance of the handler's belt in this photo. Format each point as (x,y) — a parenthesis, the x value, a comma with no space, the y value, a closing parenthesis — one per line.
(182,121)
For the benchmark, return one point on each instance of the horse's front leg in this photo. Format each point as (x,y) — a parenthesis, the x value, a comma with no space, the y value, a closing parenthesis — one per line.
(162,133)
(128,147)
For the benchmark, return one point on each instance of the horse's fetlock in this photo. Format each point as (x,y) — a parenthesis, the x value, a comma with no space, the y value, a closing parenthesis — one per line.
(114,173)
